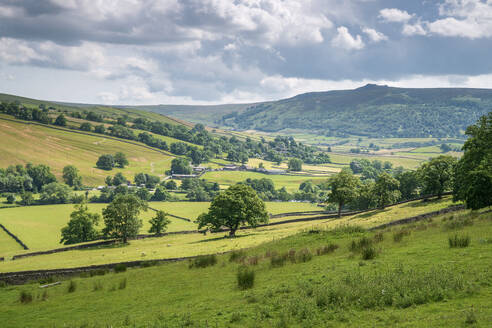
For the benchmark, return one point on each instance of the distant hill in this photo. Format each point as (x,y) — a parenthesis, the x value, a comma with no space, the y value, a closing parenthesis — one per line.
(372,110)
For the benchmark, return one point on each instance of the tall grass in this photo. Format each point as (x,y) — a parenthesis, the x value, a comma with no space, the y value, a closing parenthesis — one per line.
(458,241)
(245,278)
(203,261)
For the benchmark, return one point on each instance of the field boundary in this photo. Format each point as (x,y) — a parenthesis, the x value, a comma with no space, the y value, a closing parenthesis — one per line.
(14,237)
(420,217)
(21,277)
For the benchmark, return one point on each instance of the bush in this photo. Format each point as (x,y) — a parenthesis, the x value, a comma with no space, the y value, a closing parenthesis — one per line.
(120,267)
(379,237)
(459,223)
(253,260)
(122,284)
(72,286)
(277,261)
(98,272)
(25,297)
(203,261)
(459,241)
(398,236)
(304,255)
(237,256)
(358,245)
(245,278)
(327,249)
(368,253)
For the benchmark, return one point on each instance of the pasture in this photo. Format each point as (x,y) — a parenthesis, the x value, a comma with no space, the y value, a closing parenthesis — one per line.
(39,226)
(417,280)
(198,244)
(290,182)
(25,143)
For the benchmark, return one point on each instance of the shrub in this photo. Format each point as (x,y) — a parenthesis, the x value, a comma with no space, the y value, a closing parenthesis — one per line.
(203,261)
(237,256)
(398,236)
(459,241)
(368,253)
(25,297)
(277,261)
(98,272)
(379,237)
(327,249)
(72,286)
(120,267)
(459,223)
(253,260)
(292,255)
(122,284)
(245,278)
(357,245)
(304,255)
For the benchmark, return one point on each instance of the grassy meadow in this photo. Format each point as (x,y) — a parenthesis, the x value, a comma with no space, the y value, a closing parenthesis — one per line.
(415,281)
(290,182)
(39,226)
(24,143)
(198,244)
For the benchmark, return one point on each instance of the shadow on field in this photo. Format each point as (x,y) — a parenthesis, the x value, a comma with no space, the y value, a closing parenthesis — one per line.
(368,215)
(425,202)
(220,238)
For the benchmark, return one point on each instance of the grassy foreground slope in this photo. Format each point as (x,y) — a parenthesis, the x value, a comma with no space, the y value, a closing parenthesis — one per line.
(418,281)
(24,143)
(172,246)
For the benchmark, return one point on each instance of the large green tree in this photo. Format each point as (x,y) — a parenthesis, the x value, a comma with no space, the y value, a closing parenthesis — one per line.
(121,217)
(180,166)
(56,193)
(236,206)
(295,164)
(473,176)
(343,186)
(72,177)
(105,162)
(81,226)
(386,190)
(120,159)
(437,175)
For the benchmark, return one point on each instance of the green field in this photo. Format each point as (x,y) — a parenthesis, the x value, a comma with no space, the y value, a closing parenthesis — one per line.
(417,282)
(196,244)
(39,226)
(23,143)
(290,182)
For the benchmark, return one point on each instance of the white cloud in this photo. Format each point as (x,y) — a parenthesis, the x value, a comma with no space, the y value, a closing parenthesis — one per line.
(394,15)
(413,29)
(345,40)
(374,35)
(464,18)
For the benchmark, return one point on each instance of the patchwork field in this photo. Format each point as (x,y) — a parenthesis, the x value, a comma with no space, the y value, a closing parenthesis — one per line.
(39,226)
(197,244)
(417,280)
(290,182)
(24,143)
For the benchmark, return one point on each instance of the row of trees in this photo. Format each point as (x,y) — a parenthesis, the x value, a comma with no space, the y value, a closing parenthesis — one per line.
(120,221)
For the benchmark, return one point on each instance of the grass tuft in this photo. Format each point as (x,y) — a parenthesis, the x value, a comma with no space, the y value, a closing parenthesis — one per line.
(245,278)
(25,297)
(72,286)
(457,241)
(203,261)
(327,249)
(120,267)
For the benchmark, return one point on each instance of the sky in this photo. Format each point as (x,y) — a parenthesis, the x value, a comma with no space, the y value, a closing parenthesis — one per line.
(237,51)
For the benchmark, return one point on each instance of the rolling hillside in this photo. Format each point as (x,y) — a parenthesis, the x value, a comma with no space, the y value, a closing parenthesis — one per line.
(372,110)
(26,142)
